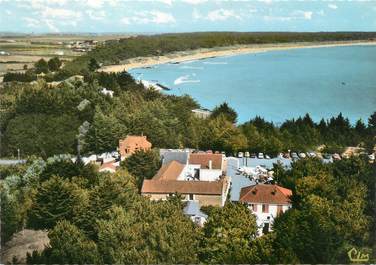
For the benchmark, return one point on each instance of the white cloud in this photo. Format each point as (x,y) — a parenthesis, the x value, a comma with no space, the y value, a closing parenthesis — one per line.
(321,13)
(252,10)
(59,13)
(96,4)
(113,2)
(166,2)
(221,14)
(268,2)
(332,6)
(277,18)
(194,2)
(50,24)
(147,17)
(56,2)
(126,21)
(40,4)
(8,12)
(37,4)
(96,15)
(31,22)
(307,15)
(297,14)
(300,14)
(196,14)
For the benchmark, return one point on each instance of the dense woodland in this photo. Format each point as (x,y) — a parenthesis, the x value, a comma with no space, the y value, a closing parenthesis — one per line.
(95,217)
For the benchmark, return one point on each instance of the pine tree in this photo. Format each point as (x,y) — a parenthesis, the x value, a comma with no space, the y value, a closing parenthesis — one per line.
(56,199)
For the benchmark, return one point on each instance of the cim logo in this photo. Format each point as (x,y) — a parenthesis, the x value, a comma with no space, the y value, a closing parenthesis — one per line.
(357,256)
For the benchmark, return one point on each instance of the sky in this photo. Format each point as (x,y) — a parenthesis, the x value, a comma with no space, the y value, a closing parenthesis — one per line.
(156,16)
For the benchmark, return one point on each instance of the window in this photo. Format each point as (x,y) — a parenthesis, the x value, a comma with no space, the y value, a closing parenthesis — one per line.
(191,197)
(265,208)
(254,207)
(279,209)
(265,228)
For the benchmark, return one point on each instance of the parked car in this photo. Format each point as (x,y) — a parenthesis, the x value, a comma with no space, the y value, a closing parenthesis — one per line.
(260,156)
(294,155)
(115,154)
(267,156)
(209,152)
(253,155)
(240,154)
(336,156)
(246,154)
(311,154)
(371,157)
(286,155)
(326,156)
(302,155)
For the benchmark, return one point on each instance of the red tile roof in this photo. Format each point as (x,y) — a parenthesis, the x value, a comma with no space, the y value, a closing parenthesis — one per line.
(263,193)
(108,165)
(169,171)
(203,160)
(136,140)
(151,186)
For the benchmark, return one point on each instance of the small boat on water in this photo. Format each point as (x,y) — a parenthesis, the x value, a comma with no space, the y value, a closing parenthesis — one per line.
(163,86)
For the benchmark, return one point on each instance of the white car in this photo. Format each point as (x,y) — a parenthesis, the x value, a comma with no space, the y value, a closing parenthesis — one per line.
(240,154)
(302,155)
(371,156)
(246,154)
(267,156)
(260,156)
(312,154)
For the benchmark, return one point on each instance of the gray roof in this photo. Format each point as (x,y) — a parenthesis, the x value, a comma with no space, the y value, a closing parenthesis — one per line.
(193,209)
(8,162)
(179,156)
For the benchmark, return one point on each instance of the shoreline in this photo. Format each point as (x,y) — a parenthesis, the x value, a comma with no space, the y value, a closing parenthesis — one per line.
(193,55)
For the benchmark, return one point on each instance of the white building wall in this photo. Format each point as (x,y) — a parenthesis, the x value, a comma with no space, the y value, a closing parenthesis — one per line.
(227,189)
(189,170)
(262,218)
(210,174)
(205,174)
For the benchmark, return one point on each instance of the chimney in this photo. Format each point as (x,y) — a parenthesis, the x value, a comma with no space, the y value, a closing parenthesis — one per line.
(210,164)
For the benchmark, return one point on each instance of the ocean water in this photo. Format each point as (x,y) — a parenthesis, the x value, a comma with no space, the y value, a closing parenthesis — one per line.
(278,85)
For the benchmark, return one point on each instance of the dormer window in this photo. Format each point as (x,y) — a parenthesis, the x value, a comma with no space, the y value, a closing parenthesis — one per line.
(265,208)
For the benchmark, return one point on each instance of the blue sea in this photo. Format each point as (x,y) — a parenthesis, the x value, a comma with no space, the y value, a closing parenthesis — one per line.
(278,85)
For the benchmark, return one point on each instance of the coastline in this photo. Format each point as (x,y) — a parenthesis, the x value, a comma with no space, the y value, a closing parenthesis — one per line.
(193,55)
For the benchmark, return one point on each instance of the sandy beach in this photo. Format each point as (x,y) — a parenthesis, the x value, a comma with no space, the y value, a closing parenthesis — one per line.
(193,55)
